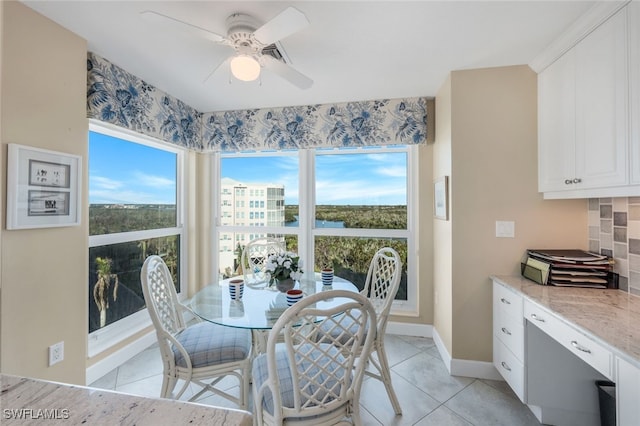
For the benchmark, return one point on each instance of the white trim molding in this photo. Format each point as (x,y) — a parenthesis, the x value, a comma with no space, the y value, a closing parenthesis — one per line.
(410,329)
(582,27)
(464,367)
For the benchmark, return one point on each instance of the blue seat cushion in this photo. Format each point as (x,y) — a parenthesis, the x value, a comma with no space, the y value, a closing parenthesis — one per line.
(346,322)
(260,373)
(210,344)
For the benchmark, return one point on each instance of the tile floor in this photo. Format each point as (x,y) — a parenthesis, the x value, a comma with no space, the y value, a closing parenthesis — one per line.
(427,393)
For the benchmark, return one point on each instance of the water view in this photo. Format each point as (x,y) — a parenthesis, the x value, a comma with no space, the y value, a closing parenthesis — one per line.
(320,223)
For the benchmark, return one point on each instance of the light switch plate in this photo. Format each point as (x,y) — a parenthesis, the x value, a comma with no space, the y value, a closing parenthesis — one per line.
(505,229)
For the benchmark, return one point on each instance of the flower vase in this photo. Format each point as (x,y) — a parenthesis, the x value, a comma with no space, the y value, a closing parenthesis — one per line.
(285,285)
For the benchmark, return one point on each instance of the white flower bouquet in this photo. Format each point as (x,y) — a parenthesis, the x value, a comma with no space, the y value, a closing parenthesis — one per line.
(283,265)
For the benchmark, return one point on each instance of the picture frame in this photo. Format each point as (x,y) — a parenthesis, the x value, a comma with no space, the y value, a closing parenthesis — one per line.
(441,198)
(43,188)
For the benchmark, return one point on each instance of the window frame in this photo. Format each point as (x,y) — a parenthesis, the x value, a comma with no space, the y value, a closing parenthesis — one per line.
(114,333)
(306,204)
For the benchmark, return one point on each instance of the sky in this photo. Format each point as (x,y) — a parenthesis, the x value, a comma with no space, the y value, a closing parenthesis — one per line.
(341,179)
(130,173)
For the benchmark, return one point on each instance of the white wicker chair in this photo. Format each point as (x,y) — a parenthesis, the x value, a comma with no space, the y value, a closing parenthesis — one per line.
(195,353)
(311,381)
(254,256)
(381,287)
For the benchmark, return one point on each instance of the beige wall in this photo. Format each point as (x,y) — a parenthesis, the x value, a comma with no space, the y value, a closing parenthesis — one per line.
(493,177)
(442,228)
(44,271)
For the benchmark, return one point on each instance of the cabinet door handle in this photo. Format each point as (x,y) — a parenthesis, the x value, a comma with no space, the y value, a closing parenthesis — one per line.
(579,347)
(505,366)
(535,317)
(503,300)
(568,181)
(506,331)
(577,180)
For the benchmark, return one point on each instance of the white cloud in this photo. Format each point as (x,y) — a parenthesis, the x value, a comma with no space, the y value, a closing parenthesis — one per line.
(358,192)
(145,179)
(392,171)
(105,183)
(141,189)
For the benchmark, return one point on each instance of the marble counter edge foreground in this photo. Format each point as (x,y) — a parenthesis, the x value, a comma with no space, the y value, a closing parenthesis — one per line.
(23,400)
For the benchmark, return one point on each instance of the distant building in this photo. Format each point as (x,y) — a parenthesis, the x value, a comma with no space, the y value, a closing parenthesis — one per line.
(247,204)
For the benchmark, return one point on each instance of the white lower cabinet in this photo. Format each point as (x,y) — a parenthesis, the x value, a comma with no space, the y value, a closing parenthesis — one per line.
(627,393)
(508,338)
(577,343)
(553,366)
(509,367)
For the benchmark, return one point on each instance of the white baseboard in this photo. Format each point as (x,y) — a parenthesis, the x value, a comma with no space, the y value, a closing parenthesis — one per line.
(119,357)
(408,329)
(464,367)
(476,369)
(442,349)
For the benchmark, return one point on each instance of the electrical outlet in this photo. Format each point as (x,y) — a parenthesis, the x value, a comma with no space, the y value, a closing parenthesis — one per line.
(56,353)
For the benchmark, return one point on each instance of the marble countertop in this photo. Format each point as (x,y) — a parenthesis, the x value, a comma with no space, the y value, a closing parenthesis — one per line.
(611,317)
(26,401)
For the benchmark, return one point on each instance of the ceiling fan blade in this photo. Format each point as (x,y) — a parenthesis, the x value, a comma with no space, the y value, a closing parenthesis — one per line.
(223,64)
(169,22)
(288,73)
(284,24)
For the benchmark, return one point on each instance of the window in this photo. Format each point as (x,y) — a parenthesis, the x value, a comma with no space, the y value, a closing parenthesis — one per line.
(134,212)
(361,205)
(334,207)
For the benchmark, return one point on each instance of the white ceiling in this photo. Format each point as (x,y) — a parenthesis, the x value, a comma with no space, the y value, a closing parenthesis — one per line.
(356,50)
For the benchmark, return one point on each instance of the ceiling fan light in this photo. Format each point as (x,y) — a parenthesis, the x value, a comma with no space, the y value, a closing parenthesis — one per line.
(245,68)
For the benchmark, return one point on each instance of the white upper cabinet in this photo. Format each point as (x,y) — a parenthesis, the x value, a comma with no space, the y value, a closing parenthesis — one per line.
(584,117)
(557,124)
(634,101)
(601,105)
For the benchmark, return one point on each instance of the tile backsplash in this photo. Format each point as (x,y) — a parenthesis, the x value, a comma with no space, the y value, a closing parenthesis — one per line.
(614,230)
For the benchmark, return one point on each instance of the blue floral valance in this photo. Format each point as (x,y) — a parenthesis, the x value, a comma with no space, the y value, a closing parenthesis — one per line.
(351,124)
(118,97)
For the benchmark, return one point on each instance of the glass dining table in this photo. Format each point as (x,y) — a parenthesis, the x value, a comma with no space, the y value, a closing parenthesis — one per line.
(260,307)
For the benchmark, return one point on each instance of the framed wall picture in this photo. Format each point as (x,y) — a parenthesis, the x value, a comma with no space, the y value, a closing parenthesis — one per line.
(441,198)
(43,188)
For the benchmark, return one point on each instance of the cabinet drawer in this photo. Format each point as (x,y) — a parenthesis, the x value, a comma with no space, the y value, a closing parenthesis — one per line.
(509,367)
(583,347)
(507,300)
(510,331)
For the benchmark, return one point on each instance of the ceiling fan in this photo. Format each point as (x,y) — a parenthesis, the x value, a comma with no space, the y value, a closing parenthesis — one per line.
(250,43)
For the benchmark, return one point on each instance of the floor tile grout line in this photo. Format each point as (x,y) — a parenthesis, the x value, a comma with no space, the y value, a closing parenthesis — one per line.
(421,349)
(456,394)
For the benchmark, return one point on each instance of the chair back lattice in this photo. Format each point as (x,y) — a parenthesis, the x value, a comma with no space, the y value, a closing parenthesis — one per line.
(382,283)
(326,372)
(254,257)
(160,296)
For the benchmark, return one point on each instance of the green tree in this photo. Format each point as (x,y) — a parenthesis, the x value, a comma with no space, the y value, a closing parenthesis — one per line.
(101,288)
